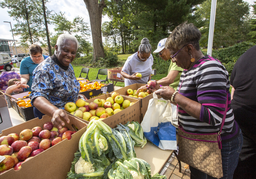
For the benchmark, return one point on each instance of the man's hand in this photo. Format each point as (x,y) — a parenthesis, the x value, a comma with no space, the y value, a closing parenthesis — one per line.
(165,92)
(59,118)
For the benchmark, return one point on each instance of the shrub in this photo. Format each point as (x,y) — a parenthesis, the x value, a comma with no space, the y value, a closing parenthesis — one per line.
(160,65)
(82,60)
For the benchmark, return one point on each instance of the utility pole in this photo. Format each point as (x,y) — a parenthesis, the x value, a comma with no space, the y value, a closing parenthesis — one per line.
(211,27)
(46,27)
(12,35)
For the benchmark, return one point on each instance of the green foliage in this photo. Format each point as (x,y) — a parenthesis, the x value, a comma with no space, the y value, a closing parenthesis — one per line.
(160,65)
(82,60)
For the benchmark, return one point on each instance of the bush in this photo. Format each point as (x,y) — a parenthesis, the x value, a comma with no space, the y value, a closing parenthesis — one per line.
(82,60)
(160,65)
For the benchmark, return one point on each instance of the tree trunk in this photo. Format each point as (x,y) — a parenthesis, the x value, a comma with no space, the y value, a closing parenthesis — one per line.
(95,12)
(27,18)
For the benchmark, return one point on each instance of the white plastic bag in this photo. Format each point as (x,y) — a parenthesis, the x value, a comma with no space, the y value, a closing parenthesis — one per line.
(157,123)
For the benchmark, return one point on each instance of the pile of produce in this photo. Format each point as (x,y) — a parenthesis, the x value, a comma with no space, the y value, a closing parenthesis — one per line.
(86,85)
(18,148)
(109,153)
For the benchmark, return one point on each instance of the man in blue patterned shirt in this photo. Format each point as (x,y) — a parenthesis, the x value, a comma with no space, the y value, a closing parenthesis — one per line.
(54,82)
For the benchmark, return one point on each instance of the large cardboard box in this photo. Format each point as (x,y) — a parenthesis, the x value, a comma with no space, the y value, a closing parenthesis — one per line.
(144,101)
(132,113)
(53,163)
(5,120)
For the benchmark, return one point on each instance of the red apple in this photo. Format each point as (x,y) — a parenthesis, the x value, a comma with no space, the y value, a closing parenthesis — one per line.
(24,153)
(5,149)
(34,145)
(107,104)
(35,138)
(35,152)
(56,140)
(17,166)
(67,135)
(7,163)
(104,115)
(54,134)
(14,135)
(45,144)
(36,130)
(45,134)
(93,106)
(48,126)
(26,134)
(152,84)
(110,99)
(100,111)
(98,101)
(87,108)
(83,109)
(14,156)
(62,130)
(17,145)
(8,140)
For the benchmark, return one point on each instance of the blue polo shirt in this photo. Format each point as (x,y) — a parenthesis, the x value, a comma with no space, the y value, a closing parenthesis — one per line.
(27,66)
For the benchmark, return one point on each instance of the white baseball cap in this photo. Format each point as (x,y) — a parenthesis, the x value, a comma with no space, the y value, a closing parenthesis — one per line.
(160,45)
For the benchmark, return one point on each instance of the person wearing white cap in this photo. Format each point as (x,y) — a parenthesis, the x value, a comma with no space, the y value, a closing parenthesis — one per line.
(139,62)
(174,71)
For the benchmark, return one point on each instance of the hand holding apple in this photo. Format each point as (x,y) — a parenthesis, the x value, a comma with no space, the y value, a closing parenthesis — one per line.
(59,118)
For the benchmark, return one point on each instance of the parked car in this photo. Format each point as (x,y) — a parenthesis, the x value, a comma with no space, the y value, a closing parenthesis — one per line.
(22,55)
(5,62)
(14,59)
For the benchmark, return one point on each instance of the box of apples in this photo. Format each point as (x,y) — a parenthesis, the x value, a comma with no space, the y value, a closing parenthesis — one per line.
(131,91)
(37,149)
(114,108)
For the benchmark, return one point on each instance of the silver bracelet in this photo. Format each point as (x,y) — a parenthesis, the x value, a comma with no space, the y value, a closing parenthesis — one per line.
(173,95)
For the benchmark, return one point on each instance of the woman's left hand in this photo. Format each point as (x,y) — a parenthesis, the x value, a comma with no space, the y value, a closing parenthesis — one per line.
(59,118)
(165,92)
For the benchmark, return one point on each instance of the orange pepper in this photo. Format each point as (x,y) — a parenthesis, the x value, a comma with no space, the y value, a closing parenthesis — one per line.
(20,101)
(22,104)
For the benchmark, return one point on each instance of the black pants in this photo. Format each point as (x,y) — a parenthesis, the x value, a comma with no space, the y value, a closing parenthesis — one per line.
(246,168)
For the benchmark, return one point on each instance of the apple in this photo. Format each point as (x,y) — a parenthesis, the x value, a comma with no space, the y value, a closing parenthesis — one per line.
(34,145)
(103,102)
(15,136)
(141,95)
(36,130)
(24,153)
(26,134)
(62,130)
(45,144)
(104,115)
(80,102)
(54,134)
(126,104)
(18,144)
(146,93)
(152,84)
(98,101)
(48,126)
(114,94)
(110,99)
(138,75)
(7,163)
(86,103)
(83,109)
(93,106)
(87,108)
(87,116)
(116,106)
(100,111)
(35,152)
(93,112)
(8,140)
(129,91)
(34,138)
(78,113)
(28,158)
(94,118)
(56,140)
(55,129)
(14,156)
(17,166)
(107,104)
(132,103)
(70,106)
(119,99)
(45,134)
(109,111)
(117,110)
(67,135)
(6,149)
(135,93)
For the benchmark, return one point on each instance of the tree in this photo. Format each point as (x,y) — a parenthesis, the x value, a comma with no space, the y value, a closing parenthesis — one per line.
(29,17)
(95,8)
(231,26)
(252,22)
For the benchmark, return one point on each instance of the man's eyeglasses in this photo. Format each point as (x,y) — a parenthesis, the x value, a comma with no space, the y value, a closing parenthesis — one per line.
(35,57)
(178,51)
(160,53)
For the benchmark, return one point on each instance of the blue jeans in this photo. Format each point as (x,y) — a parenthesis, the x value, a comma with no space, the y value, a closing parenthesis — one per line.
(37,113)
(230,155)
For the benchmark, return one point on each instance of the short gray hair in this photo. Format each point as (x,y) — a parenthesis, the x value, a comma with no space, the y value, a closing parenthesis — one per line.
(145,46)
(64,37)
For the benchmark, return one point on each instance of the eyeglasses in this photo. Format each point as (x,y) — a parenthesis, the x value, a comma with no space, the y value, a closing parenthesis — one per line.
(34,57)
(160,53)
(178,51)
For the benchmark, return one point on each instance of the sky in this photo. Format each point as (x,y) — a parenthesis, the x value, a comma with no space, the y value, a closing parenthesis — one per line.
(71,8)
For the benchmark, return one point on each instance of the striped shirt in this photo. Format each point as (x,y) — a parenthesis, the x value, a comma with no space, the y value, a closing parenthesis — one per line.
(207,83)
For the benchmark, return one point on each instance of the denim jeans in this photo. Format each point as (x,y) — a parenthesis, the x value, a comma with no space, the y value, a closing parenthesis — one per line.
(230,154)
(37,113)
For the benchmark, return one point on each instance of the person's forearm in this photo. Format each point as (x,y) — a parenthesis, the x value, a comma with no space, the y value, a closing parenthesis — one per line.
(24,80)
(44,106)
(232,92)
(169,79)
(164,81)
(125,75)
(10,89)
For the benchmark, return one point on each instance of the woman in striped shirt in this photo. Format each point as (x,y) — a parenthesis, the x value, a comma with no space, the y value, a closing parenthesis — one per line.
(201,96)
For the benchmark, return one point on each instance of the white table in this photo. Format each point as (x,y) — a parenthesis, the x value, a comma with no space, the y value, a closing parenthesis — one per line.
(15,117)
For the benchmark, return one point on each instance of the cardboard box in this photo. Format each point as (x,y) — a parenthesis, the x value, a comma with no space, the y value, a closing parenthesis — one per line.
(131,113)
(5,120)
(54,162)
(115,74)
(144,101)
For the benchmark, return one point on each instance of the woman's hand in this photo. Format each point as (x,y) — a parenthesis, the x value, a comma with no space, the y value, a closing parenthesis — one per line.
(59,118)
(152,86)
(133,77)
(165,92)
(142,88)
